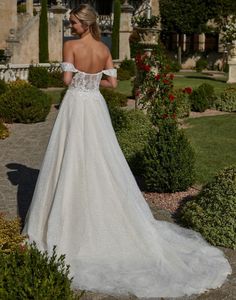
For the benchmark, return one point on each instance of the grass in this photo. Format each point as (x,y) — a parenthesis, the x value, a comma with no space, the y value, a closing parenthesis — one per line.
(214,141)
(196,79)
(54,94)
(125,87)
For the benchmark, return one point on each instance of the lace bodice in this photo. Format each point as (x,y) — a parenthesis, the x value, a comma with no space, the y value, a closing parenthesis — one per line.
(86,82)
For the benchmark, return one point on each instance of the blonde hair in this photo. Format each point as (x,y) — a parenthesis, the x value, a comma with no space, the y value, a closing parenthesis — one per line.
(88,18)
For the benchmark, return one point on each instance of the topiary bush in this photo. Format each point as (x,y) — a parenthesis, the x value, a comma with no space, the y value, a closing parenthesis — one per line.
(199,101)
(10,237)
(123,74)
(28,273)
(3,87)
(4,132)
(128,65)
(38,76)
(213,211)
(183,104)
(24,103)
(201,64)
(55,79)
(227,100)
(118,117)
(209,92)
(168,160)
(113,98)
(133,139)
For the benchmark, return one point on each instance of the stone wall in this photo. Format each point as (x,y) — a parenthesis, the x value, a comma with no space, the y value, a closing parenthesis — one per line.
(8,19)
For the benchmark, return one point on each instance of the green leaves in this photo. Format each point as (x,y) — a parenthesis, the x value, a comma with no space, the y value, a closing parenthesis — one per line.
(213,211)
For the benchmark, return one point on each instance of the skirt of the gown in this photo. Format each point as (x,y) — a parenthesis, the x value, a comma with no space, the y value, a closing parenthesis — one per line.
(87,203)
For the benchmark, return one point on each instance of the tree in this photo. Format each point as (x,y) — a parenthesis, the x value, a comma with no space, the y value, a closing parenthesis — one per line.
(43,33)
(191,16)
(116,30)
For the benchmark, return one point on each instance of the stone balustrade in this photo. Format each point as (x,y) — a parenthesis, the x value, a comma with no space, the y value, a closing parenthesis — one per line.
(11,72)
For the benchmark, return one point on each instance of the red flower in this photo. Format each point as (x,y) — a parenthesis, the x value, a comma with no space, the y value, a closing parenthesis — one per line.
(147,68)
(165,116)
(166,81)
(172,76)
(157,77)
(173,116)
(171,97)
(137,93)
(188,90)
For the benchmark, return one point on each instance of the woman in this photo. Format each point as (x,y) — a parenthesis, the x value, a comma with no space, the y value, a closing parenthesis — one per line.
(87,202)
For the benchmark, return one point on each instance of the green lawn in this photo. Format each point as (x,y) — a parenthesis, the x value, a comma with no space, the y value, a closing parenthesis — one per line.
(214,141)
(125,87)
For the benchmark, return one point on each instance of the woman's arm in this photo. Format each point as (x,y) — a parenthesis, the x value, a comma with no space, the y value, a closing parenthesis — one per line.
(68,56)
(109,81)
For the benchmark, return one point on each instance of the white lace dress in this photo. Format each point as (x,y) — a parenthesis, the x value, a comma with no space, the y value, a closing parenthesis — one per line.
(87,202)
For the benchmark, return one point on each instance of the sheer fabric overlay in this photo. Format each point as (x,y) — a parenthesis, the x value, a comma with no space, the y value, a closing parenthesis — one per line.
(87,203)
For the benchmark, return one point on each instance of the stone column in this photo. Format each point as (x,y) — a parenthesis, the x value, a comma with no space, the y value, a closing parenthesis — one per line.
(201,40)
(125,30)
(29,7)
(8,19)
(55,31)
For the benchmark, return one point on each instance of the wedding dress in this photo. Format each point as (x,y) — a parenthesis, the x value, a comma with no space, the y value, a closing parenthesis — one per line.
(87,203)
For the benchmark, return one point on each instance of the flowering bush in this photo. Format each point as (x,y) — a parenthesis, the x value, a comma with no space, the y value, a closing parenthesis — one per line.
(156,91)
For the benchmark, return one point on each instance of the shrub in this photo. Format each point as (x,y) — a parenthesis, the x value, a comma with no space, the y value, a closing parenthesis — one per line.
(118,117)
(174,65)
(201,64)
(227,100)
(213,211)
(123,74)
(182,103)
(10,237)
(114,98)
(28,273)
(3,131)
(168,160)
(133,139)
(55,79)
(43,32)
(115,30)
(128,65)
(3,86)
(24,103)
(38,76)
(199,101)
(209,92)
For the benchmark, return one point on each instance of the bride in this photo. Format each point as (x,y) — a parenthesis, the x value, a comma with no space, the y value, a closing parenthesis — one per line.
(87,202)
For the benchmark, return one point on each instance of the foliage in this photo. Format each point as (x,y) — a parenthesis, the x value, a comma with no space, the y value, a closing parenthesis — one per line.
(128,65)
(55,79)
(229,31)
(4,133)
(168,160)
(38,76)
(209,92)
(116,30)
(3,86)
(10,237)
(227,100)
(201,64)
(199,101)
(43,33)
(113,98)
(183,105)
(144,22)
(28,273)
(24,103)
(213,211)
(21,8)
(123,74)
(133,139)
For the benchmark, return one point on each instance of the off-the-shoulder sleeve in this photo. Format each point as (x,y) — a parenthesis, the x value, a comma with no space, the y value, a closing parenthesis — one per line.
(110,72)
(68,67)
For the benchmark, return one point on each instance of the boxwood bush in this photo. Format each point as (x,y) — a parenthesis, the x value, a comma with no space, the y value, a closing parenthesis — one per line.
(38,76)
(183,104)
(55,79)
(201,64)
(27,273)
(168,160)
(199,100)
(227,100)
(24,103)
(3,86)
(213,211)
(128,65)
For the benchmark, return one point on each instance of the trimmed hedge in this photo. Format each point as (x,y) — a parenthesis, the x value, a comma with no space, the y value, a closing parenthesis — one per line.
(227,100)
(24,103)
(213,211)
(38,76)
(3,87)
(27,273)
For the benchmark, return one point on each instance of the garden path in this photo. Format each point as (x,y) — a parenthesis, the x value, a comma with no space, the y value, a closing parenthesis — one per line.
(20,158)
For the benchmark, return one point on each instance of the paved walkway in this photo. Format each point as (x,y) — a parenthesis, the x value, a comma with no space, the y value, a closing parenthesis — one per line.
(20,158)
